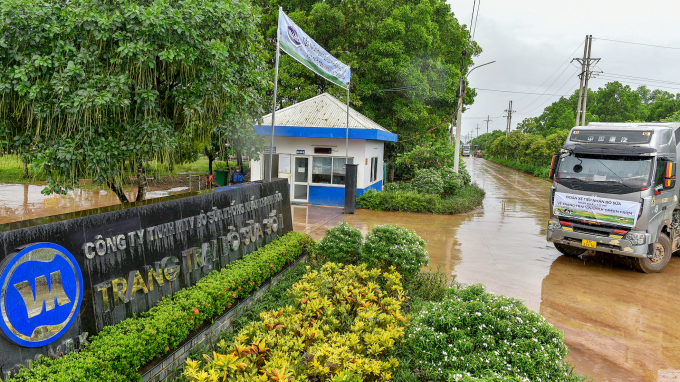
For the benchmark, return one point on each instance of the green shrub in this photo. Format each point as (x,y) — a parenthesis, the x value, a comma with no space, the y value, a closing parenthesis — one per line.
(430,285)
(452,181)
(408,163)
(342,244)
(391,245)
(467,198)
(118,351)
(344,319)
(428,181)
(530,168)
(473,334)
(397,186)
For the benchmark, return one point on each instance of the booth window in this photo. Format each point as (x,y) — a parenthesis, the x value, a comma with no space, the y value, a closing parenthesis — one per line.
(323,150)
(326,170)
(374,169)
(321,170)
(339,170)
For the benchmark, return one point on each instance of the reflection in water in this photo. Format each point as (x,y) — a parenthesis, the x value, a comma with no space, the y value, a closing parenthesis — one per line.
(34,204)
(619,324)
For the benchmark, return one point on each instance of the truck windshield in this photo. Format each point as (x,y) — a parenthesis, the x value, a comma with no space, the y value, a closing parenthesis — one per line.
(628,171)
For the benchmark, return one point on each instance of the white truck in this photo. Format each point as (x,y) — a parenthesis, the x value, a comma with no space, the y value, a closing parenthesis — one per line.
(614,191)
(466,150)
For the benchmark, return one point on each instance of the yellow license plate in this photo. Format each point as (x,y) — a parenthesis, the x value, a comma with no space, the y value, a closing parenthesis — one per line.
(589,243)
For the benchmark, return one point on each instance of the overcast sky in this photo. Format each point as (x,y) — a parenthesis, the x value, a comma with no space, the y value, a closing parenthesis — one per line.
(532,39)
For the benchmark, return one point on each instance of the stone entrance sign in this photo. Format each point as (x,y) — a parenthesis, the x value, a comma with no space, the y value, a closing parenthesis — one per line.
(66,277)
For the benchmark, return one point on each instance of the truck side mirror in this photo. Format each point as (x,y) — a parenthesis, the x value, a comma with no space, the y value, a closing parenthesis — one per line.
(669,179)
(553,165)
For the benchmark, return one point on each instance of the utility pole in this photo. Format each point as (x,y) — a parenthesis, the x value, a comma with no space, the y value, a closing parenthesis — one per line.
(461,89)
(509,116)
(584,76)
(478,130)
(487,120)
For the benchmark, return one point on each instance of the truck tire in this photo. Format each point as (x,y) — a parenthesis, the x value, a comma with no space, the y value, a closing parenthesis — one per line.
(661,255)
(569,251)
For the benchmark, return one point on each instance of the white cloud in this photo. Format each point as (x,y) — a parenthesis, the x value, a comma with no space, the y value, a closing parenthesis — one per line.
(531,39)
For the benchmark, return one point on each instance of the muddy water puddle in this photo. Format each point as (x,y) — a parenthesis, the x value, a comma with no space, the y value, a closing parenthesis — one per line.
(620,325)
(24,201)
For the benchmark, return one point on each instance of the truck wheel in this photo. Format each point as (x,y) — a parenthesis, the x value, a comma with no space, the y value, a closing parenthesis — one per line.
(569,251)
(661,255)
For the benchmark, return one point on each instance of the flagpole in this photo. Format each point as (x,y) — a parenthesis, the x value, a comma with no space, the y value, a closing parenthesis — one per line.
(347,130)
(276,81)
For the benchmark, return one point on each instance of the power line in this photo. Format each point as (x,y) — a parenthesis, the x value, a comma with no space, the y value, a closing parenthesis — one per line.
(546,90)
(476,20)
(637,43)
(558,68)
(514,92)
(640,78)
(637,83)
(472,17)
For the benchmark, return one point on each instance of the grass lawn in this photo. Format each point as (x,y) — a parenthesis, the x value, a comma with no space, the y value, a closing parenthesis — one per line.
(11,169)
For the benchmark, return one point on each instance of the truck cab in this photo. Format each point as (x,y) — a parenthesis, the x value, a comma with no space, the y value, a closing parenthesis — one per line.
(614,191)
(466,150)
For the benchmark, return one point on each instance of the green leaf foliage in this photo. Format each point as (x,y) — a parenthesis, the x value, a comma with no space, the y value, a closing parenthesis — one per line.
(472,335)
(342,244)
(391,245)
(428,181)
(89,86)
(467,198)
(119,351)
(414,46)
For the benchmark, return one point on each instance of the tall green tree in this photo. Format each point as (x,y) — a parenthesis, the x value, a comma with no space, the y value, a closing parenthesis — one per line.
(389,44)
(92,86)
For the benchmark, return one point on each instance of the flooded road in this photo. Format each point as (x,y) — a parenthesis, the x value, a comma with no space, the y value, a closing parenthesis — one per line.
(24,201)
(620,325)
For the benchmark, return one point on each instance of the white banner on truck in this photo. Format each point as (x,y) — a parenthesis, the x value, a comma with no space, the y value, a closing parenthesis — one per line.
(602,210)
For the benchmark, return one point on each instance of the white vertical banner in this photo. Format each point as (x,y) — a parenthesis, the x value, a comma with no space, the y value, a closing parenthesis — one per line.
(301,47)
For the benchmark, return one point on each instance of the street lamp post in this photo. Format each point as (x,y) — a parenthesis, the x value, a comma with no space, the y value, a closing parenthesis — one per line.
(459,119)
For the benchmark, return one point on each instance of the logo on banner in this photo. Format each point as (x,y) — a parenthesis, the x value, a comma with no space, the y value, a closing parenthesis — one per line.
(293,36)
(42,288)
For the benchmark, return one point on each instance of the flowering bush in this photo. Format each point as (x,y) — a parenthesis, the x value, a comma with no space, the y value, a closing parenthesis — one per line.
(428,181)
(342,328)
(391,245)
(342,244)
(473,334)
(452,181)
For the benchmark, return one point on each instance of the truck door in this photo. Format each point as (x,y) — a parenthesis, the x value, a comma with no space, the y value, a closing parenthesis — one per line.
(664,197)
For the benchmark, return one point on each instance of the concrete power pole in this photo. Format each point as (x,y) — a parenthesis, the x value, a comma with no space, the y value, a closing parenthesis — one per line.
(461,87)
(509,116)
(487,120)
(478,130)
(581,76)
(585,86)
(585,75)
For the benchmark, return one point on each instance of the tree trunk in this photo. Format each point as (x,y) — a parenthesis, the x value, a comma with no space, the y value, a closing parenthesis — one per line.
(211,159)
(239,160)
(141,181)
(118,190)
(25,174)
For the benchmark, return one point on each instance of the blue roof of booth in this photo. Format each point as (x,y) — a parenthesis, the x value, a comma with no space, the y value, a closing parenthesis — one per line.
(323,116)
(327,132)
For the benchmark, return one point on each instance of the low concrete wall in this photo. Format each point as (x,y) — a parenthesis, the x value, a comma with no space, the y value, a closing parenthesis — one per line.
(166,368)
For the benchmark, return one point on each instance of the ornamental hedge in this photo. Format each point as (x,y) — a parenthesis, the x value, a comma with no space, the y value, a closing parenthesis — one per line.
(343,325)
(119,351)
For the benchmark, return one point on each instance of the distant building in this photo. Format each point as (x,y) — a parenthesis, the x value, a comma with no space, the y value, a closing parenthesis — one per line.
(309,150)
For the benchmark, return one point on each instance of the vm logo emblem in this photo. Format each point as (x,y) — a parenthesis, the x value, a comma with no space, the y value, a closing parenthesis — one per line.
(42,288)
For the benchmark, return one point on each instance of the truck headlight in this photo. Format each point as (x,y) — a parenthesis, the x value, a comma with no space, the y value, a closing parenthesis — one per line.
(635,238)
(553,224)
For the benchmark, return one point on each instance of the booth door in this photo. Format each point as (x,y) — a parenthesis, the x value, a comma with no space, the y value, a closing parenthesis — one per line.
(301,179)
